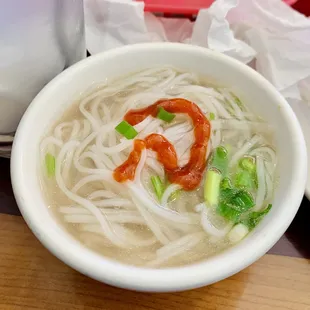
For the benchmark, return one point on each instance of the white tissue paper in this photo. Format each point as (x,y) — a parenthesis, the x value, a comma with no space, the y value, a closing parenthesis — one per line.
(267,30)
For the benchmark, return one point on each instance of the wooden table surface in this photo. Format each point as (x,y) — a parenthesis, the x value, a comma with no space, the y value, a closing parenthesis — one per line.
(32,278)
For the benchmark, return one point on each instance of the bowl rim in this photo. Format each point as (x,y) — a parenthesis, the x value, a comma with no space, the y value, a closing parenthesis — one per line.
(145,279)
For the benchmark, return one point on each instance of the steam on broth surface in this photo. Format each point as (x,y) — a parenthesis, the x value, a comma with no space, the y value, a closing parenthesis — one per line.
(159,169)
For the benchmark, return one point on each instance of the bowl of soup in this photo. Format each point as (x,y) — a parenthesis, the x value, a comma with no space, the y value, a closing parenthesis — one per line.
(159,167)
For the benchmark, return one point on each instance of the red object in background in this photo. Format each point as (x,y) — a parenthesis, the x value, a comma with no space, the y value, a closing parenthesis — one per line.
(186,7)
(302,6)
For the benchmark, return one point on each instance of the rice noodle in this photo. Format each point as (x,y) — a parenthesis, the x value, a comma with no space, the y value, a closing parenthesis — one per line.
(101,193)
(139,193)
(149,219)
(176,248)
(168,192)
(244,149)
(107,231)
(208,226)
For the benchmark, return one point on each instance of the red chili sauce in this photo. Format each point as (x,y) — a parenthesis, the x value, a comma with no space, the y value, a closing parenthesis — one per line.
(188,176)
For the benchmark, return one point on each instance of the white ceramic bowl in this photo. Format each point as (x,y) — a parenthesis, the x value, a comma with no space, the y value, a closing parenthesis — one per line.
(253,89)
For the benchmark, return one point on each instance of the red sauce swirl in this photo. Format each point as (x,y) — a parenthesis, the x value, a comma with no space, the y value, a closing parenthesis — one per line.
(188,176)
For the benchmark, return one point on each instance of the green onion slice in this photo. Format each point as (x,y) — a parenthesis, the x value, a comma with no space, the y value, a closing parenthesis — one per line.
(234,202)
(244,179)
(226,183)
(50,163)
(219,159)
(212,187)
(158,186)
(228,212)
(126,130)
(255,217)
(245,176)
(164,115)
(248,163)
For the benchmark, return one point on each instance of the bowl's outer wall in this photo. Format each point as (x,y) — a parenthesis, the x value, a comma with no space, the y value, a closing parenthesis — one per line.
(253,90)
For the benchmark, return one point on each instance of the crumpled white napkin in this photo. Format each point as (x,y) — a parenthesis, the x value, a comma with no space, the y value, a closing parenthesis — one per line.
(113,23)
(269,31)
(212,30)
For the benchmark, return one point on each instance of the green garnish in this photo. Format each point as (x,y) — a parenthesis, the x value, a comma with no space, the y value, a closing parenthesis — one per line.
(227,193)
(50,163)
(212,187)
(245,176)
(232,196)
(226,183)
(242,201)
(234,202)
(164,115)
(255,217)
(244,179)
(239,198)
(126,130)
(158,186)
(219,159)
(212,116)
(248,164)
(228,212)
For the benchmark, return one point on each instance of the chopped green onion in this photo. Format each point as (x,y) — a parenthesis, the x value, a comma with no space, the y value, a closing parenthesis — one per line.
(246,173)
(248,164)
(212,116)
(164,115)
(242,201)
(244,179)
(126,130)
(219,159)
(227,193)
(212,187)
(221,152)
(158,186)
(255,217)
(228,212)
(226,183)
(233,203)
(50,163)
